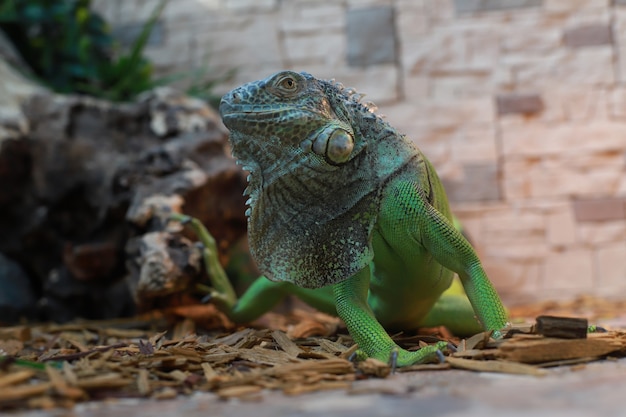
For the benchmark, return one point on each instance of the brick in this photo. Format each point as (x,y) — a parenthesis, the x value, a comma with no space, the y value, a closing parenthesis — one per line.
(474,143)
(371,36)
(559,176)
(598,233)
(479,183)
(517,251)
(518,103)
(326,48)
(610,263)
(311,18)
(560,6)
(251,6)
(539,140)
(567,67)
(568,271)
(474,6)
(601,209)
(589,35)
(513,226)
(379,83)
(561,227)
(513,278)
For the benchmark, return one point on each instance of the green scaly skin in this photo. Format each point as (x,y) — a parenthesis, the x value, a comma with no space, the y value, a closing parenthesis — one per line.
(348,215)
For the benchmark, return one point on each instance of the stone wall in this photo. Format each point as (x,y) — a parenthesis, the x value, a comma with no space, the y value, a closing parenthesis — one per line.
(520,104)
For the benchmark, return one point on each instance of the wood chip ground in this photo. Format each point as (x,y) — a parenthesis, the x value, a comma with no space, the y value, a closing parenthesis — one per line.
(161,356)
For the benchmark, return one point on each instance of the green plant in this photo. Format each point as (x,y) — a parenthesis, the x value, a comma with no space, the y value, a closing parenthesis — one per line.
(70,48)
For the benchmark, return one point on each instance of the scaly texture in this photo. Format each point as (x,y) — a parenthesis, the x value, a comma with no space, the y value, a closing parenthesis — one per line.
(348,214)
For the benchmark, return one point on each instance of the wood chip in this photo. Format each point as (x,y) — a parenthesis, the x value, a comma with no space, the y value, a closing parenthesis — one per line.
(547,349)
(495,366)
(24,391)
(562,327)
(286,343)
(239,391)
(16,377)
(143,382)
(21,333)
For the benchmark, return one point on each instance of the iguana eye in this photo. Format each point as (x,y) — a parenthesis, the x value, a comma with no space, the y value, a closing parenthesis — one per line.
(288,84)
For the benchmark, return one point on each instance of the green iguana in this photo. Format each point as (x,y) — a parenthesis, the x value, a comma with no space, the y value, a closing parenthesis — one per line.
(348,215)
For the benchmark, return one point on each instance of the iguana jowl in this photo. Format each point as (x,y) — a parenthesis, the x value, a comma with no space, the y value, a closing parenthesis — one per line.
(341,202)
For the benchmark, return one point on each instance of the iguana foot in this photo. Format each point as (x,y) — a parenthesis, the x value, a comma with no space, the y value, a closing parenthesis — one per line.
(221,292)
(423,355)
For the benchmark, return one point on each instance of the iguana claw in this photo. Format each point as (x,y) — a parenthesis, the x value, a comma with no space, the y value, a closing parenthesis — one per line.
(393,360)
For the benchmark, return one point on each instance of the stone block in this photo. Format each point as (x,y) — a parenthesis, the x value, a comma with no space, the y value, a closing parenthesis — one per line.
(560,6)
(601,209)
(371,36)
(311,18)
(205,11)
(324,49)
(598,233)
(514,279)
(449,112)
(370,3)
(508,226)
(610,261)
(517,251)
(553,176)
(617,103)
(228,46)
(561,227)
(477,6)
(250,6)
(479,183)
(465,85)
(379,83)
(566,67)
(586,36)
(538,140)
(519,103)
(453,52)
(569,271)
(533,36)
(474,143)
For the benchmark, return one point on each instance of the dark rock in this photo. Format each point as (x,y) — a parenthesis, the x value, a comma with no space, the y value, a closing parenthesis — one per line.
(17,298)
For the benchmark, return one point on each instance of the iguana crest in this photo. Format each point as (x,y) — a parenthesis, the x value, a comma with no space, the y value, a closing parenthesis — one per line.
(318,160)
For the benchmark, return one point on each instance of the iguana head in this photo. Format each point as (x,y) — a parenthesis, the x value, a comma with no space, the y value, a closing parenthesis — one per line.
(293,113)
(314,186)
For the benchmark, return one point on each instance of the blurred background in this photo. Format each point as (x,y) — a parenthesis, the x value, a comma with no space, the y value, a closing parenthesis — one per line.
(519,104)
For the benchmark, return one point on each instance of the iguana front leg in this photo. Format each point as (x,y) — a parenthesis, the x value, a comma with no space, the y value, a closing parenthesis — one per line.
(366,331)
(448,246)
(260,297)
